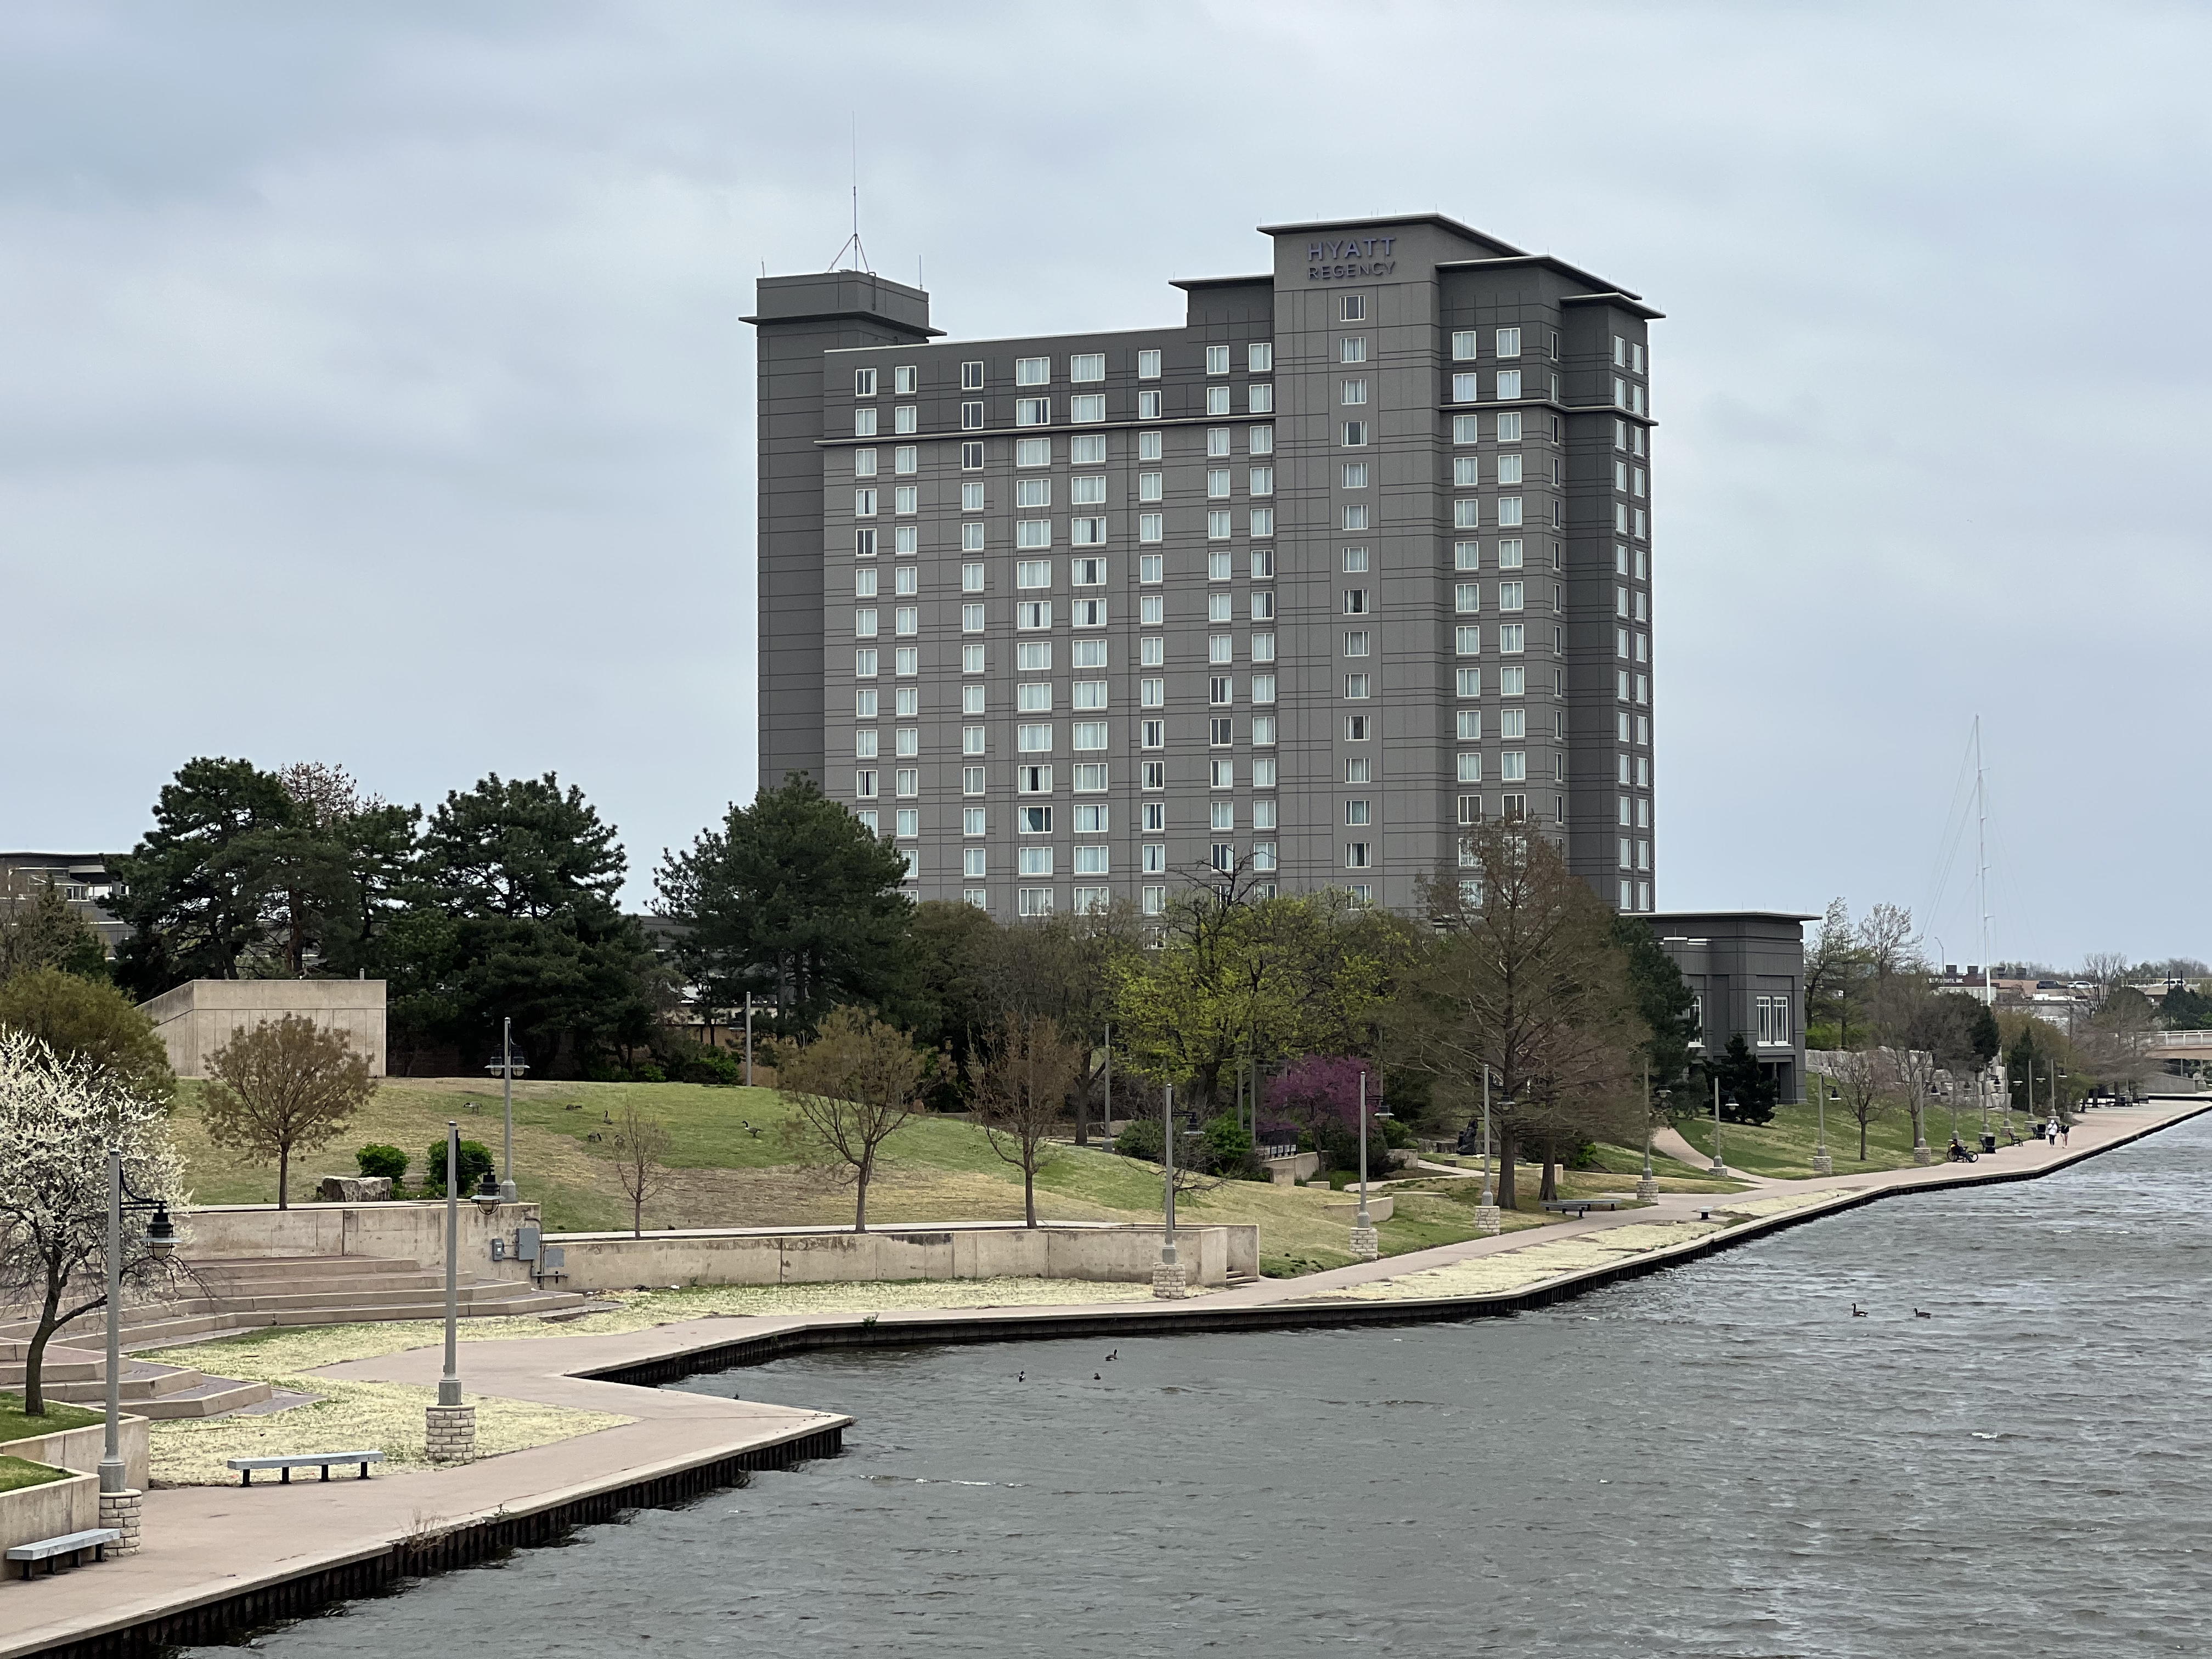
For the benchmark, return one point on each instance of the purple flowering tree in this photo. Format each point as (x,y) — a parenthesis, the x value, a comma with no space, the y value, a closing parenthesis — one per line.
(1321,1092)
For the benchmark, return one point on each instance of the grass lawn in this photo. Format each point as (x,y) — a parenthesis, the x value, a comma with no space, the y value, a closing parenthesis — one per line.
(734,1169)
(1783,1148)
(14,1425)
(15,1474)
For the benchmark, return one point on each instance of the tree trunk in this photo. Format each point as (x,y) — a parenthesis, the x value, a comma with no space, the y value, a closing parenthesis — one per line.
(1548,1188)
(1506,1148)
(1029,1187)
(860,1192)
(637,1209)
(1863,1129)
(35,1358)
(283,1174)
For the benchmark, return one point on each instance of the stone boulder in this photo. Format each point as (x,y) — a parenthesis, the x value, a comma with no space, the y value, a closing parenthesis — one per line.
(353,1189)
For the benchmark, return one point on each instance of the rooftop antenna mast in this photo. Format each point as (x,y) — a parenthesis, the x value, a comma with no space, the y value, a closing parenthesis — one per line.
(853,242)
(1981,861)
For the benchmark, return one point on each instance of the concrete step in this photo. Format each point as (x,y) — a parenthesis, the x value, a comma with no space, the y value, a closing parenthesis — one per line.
(62,1365)
(348,1296)
(302,1266)
(214,1396)
(142,1381)
(230,1280)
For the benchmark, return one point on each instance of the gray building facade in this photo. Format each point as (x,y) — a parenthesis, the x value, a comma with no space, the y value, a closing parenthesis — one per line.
(1747,969)
(1357,555)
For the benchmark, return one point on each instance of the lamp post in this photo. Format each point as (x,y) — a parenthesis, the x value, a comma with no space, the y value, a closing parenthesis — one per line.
(1171,1280)
(1823,1092)
(1720,1163)
(1364,1243)
(749,1039)
(1106,1129)
(450,1427)
(1647,1189)
(1921,1154)
(506,1065)
(1486,1214)
(119,1504)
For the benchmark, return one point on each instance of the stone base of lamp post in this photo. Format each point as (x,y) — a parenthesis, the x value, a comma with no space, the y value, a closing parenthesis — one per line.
(1647,1190)
(1822,1164)
(1366,1244)
(1171,1280)
(1485,1218)
(1924,1154)
(122,1509)
(451,1433)
(1719,1171)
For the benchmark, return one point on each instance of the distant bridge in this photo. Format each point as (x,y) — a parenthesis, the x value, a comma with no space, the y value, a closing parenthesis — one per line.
(2180,1045)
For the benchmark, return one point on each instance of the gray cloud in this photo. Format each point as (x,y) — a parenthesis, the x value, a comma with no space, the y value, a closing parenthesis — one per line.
(373,387)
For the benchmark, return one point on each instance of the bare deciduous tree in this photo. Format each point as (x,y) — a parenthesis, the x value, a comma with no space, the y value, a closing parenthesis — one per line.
(283,1087)
(2105,967)
(1865,1079)
(850,1090)
(1888,944)
(1019,1084)
(1524,979)
(641,1151)
(2116,1041)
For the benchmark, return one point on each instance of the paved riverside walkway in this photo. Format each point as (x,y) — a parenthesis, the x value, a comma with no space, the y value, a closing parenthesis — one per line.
(204,1544)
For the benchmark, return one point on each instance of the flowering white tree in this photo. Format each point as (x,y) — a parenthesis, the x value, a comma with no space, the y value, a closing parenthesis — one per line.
(58,1123)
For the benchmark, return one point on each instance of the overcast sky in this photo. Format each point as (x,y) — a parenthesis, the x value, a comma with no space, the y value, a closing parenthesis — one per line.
(373,388)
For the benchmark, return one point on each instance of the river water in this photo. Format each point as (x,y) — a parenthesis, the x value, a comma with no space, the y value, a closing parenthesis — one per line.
(1717,1460)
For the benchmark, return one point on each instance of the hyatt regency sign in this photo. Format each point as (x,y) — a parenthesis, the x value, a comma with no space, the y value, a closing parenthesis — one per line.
(1355,257)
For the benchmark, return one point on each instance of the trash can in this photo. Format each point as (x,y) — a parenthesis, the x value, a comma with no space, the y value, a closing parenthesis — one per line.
(1989,1141)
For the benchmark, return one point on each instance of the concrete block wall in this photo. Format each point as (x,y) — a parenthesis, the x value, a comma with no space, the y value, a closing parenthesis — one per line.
(80,1450)
(407,1231)
(603,1262)
(31,1513)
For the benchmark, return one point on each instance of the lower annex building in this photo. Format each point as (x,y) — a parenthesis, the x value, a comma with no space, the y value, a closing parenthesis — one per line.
(1357,555)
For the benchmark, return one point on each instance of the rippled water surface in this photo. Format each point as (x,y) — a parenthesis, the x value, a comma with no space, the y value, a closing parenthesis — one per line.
(1715,1460)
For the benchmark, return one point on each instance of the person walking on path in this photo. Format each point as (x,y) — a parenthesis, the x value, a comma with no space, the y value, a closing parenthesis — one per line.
(2050,1133)
(2066,1135)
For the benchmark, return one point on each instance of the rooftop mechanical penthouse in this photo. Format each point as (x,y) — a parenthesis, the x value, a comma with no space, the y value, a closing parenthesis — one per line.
(1357,555)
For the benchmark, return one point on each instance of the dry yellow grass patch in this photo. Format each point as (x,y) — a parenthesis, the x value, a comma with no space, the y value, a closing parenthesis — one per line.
(1531,1264)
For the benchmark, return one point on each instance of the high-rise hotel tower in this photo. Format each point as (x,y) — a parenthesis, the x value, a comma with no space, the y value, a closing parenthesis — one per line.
(1357,555)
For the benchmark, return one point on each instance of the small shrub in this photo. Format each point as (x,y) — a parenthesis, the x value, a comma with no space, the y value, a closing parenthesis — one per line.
(648,1072)
(388,1161)
(1140,1139)
(716,1067)
(475,1163)
(1228,1151)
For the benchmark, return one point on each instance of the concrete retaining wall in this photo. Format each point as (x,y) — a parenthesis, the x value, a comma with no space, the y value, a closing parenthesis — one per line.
(196,1018)
(403,1231)
(80,1449)
(32,1514)
(605,1261)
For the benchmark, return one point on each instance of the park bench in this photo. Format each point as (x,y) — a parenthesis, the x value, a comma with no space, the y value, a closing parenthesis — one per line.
(48,1550)
(1581,1206)
(245,1465)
